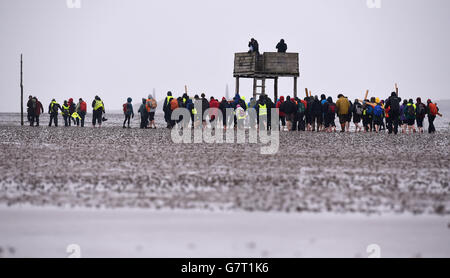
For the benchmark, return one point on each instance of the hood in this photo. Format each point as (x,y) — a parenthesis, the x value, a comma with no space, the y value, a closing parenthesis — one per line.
(129,100)
(282,98)
(70,100)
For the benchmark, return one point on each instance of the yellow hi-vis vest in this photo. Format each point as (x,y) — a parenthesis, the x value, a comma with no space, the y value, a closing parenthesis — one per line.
(98,105)
(240,113)
(51,106)
(262,110)
(65,110)
(194,111)
(75,115)
(169,98)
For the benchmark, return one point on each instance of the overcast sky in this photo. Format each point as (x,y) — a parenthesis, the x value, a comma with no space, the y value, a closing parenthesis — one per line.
(121,48)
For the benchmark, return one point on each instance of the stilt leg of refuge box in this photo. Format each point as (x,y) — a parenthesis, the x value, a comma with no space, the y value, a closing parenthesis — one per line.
(254,88)
(275,89)
(295,87)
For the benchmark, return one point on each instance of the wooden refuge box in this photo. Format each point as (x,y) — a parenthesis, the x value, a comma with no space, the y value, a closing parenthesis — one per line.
(270,65)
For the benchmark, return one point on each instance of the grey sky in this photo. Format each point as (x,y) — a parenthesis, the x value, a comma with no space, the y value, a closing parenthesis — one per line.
(118,48)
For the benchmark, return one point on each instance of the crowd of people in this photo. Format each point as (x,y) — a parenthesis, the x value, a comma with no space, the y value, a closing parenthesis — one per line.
(309,114)
(71,112)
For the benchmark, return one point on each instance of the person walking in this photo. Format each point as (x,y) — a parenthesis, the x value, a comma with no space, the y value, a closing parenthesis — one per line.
(410,114)
(128,112)
(72,109)
(98,111)
(65,113)
(343,109)
(53,111)
(393,106)
(144,114)
(421,112)
(39,109)
(433,111)
(31,106)
(357,111)
(81,110)
(281,113)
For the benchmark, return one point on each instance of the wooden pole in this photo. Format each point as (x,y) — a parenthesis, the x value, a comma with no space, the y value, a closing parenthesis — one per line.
(254,88)
(263,86)
(237,85)
(21,90)
(275,89)
(185,89)
(367,95)
(295,86)
(310,93)
(396,89)
(306,92)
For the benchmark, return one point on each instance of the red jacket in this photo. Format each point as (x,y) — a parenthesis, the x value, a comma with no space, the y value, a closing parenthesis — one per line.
(282,114)
(83,107)
(213,104)
(38,108)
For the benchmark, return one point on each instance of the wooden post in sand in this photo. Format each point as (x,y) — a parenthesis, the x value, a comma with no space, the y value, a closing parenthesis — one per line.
(21,90)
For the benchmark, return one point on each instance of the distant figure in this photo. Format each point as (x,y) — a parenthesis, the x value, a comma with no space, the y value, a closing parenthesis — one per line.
(53,111)
(433,111)
(128,112)
(343,111)
(393,103)
(205,106)
(72,109)
(166,109)
(144,114)
(281,46)
(98,110)
(151,106)
(39,109)
(253,46)
(30,108)
(66,113)
(81,110)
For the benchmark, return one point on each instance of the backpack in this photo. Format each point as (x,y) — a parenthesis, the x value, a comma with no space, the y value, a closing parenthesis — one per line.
(153,103)
(148,105)
(378,111)
(358,109)
(421,110)
(173,104)
(125,107)
(332,108)
(395,105)
(410,111)
(433,109)
(301,108)
(83,106)
(369,110)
